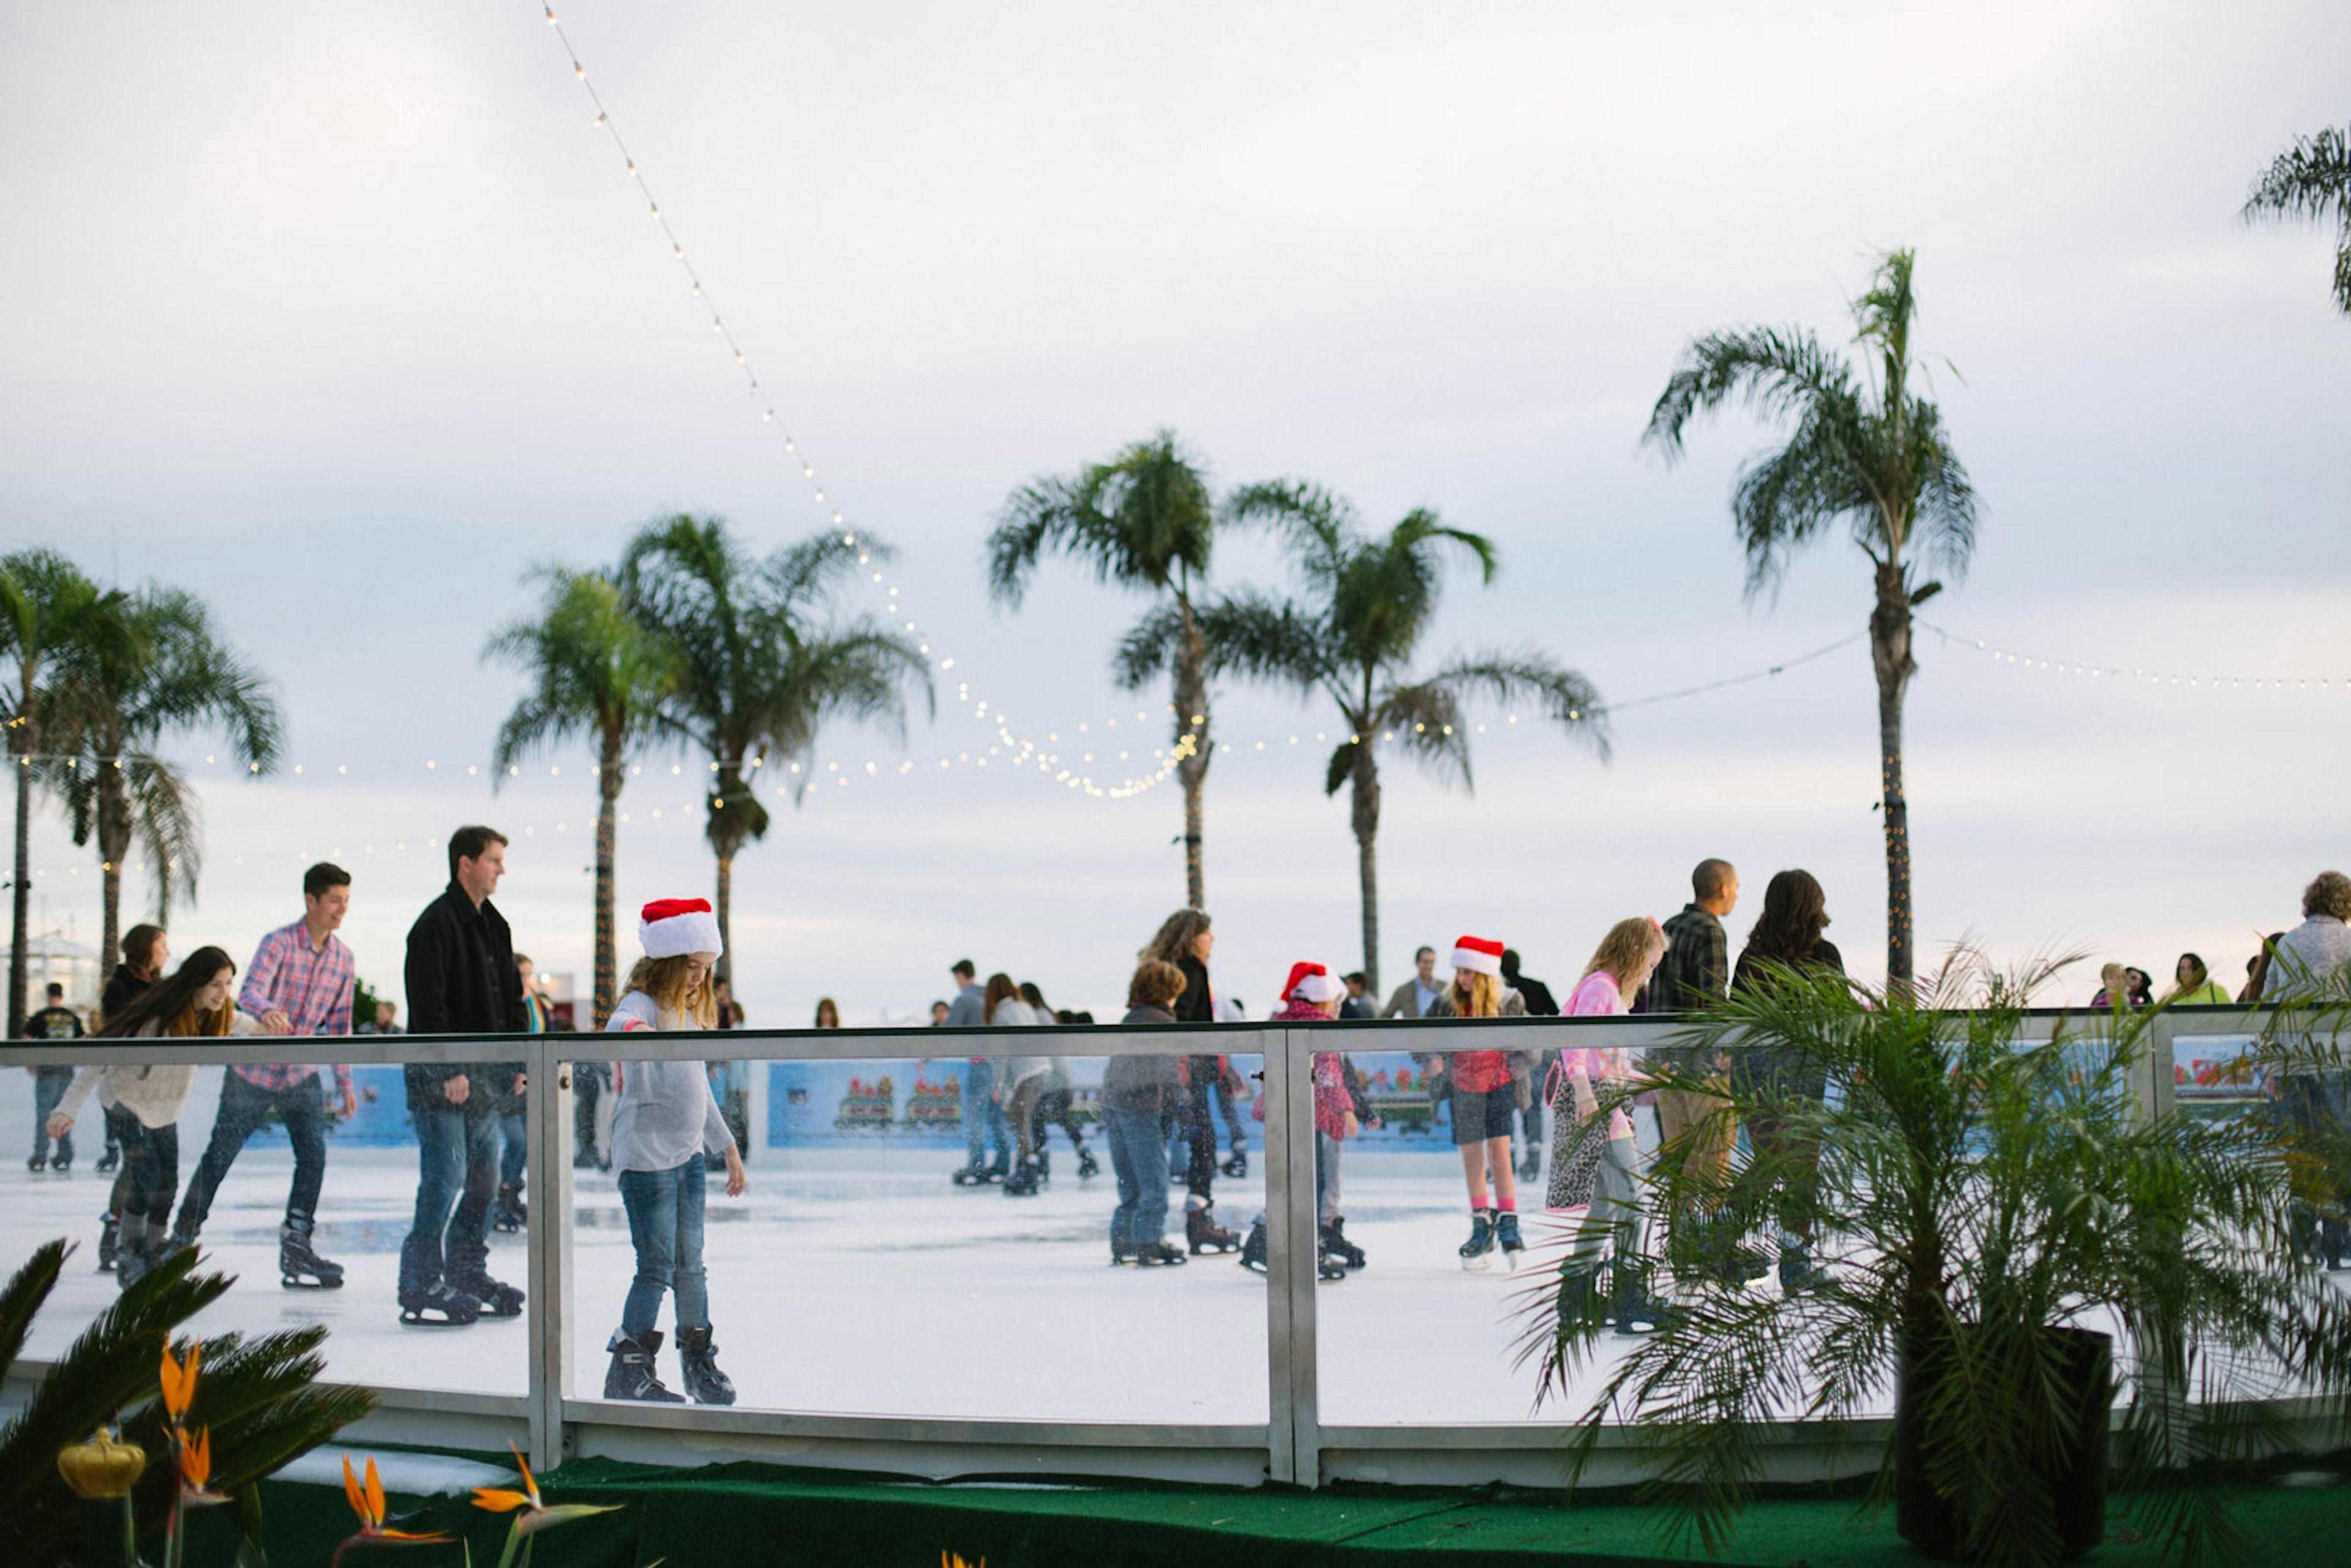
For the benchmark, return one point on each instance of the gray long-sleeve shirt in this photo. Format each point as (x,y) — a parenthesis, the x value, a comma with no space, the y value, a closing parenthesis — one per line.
(666,1113)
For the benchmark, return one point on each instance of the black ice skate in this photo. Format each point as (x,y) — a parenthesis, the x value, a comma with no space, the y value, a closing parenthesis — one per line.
(1158,1255)
(1253,1249)
(1087,1164)
(697,1362)
(1328,1265)
(1506,1232)
(508,1214)
(1237,1165)
(632,1374)
(1531,1162)
(109,1242)
(498,1299)
(137,1249)
(63,1162)
(299,1267)
(109,1160)
(38,1162)
(1334,1241)
(1477,1252)
(1201,1232)
(438,1305)
(1022,1183)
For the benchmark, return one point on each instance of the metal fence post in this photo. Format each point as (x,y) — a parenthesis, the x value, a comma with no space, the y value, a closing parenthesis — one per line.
(548,1179)
(1295,1249)
(1281,1460)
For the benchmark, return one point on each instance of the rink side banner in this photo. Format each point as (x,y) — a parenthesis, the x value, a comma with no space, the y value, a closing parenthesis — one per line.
(919,1100)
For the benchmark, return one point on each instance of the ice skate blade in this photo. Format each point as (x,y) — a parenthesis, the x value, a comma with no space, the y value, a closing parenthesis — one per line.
(1477,1265)
(417,1319)
(294,1282)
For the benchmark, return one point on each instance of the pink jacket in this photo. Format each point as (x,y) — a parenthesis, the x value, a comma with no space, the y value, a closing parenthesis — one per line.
(1596,997)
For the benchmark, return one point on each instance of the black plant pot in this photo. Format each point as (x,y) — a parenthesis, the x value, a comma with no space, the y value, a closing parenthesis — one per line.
(2076,1481)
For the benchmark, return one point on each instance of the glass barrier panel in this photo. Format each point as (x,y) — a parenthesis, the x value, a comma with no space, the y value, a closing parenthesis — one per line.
(307,1200)
(927,1236)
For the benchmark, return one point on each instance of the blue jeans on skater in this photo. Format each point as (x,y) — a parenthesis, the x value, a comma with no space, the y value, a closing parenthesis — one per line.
(664,1211)
(1327,1152)
(242,1105)
(512,1125)
(1138,1158)
(983,1118)
(456,1176)
(49,1085)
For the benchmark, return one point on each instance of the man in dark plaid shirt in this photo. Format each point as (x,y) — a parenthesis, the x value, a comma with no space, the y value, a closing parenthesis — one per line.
(301,983)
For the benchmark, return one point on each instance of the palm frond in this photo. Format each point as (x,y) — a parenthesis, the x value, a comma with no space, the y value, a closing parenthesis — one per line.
(1317,524)
(1144,519)
(22,1297)
(1775,372)
(1425,720)
(1147,651)
(2309,182)
(1251,633)
(1565,696)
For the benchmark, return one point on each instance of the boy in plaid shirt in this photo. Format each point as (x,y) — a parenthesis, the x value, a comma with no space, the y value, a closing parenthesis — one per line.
(299,983)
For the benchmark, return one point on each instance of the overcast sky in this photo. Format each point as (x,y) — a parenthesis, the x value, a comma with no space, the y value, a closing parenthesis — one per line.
(343,317)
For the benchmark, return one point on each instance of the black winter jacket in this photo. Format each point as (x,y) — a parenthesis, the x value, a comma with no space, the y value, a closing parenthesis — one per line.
(462,979)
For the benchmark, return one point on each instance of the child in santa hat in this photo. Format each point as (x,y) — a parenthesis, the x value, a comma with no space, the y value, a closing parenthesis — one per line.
(1485,1101)
(1312,996)
(665,1120)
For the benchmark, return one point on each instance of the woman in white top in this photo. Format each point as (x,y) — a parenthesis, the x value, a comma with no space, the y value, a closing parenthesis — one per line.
(192,1003)
(665,1120)
(1023,1079)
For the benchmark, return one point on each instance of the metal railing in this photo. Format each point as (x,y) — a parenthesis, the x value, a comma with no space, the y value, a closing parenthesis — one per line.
(1292,1445)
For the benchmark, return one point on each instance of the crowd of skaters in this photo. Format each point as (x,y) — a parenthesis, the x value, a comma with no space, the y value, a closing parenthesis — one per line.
(663,1124)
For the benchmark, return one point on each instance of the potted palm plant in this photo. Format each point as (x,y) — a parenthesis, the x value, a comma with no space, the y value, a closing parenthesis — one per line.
(2012,1242)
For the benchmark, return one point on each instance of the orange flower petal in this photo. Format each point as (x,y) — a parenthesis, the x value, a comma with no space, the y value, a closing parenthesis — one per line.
(412,1537)
(497,1499)
(374,1492)
(352,1493)
(197,1460)
(529,1486)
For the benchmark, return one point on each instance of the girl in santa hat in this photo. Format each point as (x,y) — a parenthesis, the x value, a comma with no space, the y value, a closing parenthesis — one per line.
(1312,996)
(665,1120)
(1485,1099)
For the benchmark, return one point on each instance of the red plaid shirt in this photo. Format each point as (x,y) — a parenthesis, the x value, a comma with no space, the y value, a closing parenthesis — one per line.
(312,986)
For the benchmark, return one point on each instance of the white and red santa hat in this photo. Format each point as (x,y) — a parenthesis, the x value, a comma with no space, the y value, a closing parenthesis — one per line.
(1312,982)
(673,927)
(1477,955)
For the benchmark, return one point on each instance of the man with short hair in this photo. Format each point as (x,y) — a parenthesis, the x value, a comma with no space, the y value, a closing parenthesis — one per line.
(1356,1004)
(299,983)
(1416,996)
(2311,965)
(462,979)
(983,1117)
(53,1022)
(1695,974)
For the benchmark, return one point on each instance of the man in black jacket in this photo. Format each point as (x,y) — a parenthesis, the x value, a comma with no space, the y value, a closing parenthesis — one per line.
(461,981)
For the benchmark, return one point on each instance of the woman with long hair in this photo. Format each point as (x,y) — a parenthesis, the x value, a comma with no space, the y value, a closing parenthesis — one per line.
(2193,985)
(1022,1077)
(665,1126)
(1484,1101)
(828,1013)
(1785,946)
(1594,1167)
(192,1004)
(1055,1105)
(1186,940)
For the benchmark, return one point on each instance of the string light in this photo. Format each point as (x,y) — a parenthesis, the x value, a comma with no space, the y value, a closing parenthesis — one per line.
(2139,674)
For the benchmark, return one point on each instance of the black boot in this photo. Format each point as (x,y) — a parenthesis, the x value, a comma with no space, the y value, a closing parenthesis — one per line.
(112,1158)
(1201,1232)
(1236,1164)
(1334,1241)
(1506,1233)
(497,1298)
(697,1362)
(136,1245)
(509,1214)
(1087,1164)
(1476,1253)
(1022,1181)
(1253,1249)
(631,1374)
(299,1267)
(109,1242)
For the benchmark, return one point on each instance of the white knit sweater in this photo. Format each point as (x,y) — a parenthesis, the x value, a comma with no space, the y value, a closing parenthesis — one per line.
(153,1094)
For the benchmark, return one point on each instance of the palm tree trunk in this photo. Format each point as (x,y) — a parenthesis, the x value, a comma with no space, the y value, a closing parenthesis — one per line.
(608,799)
(113,844)
(724,971)
(22,903)
(1192,700)
(1890,654)
(1366,800)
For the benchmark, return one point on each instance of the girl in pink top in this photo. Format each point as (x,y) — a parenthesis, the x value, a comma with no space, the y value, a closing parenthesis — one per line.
(1603,1173)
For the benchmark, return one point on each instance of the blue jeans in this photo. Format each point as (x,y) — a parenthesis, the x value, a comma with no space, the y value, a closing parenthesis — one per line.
(1327,1150)
(242,1105)
(49,1085)
(512,1125)
(665,1226)
(456,1175)
(1138,1158)
(983,1118)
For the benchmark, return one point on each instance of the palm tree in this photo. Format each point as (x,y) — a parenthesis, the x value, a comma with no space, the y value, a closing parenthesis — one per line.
(1144,520)
(1866,449)
(47,609)
(758,673)
(1351,637)
(596,674)
(2311,181)
(165,672)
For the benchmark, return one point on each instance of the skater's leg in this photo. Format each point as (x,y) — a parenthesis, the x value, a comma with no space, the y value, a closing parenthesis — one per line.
(440,1177)
(305,1115)
(1201,1176)
(1506,1176)
(587,1084)
(164,1161)
(1124,1129)
(242,1107)
(121,1126)
(49,1086)
(650,1199)
(514,1133)
(978,1079)
(467,1241)
(1327,1150)
(1023,1115)
(690,1283)
(1473,1172)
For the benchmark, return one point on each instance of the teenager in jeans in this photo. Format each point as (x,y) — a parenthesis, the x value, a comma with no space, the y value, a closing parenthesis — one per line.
(1600,1174)
(667,1123)
(53,1022)
(300,984)
(1137,1091)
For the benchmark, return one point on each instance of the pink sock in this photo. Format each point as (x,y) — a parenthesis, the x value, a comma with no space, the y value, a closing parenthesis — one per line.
(1477,1203)
(1508,1206)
